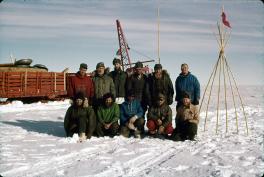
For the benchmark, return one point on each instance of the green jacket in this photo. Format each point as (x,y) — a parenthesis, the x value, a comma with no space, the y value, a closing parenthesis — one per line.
(73,114)
(164,113)
(102,85)
(108,115)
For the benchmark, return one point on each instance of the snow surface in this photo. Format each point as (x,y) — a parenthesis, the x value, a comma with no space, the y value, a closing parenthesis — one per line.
(33,143)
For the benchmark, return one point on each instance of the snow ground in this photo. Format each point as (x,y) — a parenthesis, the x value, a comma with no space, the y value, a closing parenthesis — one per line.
(32,143)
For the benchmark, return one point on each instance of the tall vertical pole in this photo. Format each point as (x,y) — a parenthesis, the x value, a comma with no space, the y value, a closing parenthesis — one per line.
(158,37)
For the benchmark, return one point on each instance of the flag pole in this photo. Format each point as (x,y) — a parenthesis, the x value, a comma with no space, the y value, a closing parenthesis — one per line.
(158,37)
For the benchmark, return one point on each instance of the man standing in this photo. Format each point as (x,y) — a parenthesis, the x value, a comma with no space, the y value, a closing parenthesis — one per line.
(131,117)
(81,83)
(139,84)
(160,82)
(119,78)
(186,121)
(108,115)
(186,82)
(103,84)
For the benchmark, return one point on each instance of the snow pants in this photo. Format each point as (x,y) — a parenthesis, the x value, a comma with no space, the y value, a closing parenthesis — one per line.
(184,131)
(112,131)
(152,126)
(139,124)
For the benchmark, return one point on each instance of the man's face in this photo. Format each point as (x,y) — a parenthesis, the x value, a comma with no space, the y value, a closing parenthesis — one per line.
(161,101)
(83,71)
(108,102)
(117,65)
(130,98)
(158,71)
(139,70)
(185,69)
(186,101)
(100,70)
(79,102)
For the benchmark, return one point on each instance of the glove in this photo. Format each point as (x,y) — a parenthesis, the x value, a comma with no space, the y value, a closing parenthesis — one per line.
(161,130)
(131,126)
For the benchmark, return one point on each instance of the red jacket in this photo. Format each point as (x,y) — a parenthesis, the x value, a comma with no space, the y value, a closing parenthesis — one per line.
(78,83)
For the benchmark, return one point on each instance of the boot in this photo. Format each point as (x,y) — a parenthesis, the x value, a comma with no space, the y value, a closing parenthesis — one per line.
(82,137)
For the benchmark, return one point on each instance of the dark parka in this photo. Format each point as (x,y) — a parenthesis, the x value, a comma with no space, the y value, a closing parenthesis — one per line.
(163,85)
(119,78)
(164,113)
(83,117)
(140,88)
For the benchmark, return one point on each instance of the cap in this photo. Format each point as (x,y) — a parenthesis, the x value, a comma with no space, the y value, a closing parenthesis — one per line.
(116,60)
(185,94)
(83,65)
(157,66)
(101,64)
(138,65)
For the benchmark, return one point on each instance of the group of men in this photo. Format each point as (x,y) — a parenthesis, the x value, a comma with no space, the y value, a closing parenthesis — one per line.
(116,103)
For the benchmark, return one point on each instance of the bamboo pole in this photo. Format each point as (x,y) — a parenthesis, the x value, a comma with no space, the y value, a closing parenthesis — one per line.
(223,65)
(239,97)
(218,97)
(208,101)
(158,37)
(232,91)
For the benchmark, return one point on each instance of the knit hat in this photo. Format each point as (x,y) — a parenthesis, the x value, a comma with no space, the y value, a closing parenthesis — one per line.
(83,65)
(185,94)
(79,95)
(157,66)
(101,64)
(130,93)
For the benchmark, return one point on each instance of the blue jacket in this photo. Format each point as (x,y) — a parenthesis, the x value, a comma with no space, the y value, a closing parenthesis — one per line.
(189,84)
(130,109)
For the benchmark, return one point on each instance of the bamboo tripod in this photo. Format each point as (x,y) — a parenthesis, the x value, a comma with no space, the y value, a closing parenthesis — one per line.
(222,68)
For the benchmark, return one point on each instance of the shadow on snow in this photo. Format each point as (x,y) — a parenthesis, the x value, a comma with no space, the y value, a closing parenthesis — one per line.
(46,127)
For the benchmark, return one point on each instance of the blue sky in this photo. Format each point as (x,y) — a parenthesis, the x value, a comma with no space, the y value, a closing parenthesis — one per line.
(65,33)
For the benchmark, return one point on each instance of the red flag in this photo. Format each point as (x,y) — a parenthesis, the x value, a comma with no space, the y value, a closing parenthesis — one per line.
(225,22)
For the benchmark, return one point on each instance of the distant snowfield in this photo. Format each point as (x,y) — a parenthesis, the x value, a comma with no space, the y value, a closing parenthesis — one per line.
(33,143)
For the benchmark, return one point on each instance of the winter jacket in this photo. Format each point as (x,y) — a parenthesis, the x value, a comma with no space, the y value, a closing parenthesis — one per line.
(103,84)
(82,84)
(73,113)
(119,78)
(162,85)
(187,113)
(108,115)
(164,113)
(189,84)
(140,87)
(130,109)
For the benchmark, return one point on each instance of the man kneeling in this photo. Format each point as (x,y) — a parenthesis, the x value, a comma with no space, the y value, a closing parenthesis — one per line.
(160,117)
(131,120)
(80,118)
(108,115)
(187,119)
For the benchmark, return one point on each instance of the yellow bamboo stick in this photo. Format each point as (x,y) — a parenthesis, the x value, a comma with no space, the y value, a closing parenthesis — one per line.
(225,93)
(218,98)
(234,102)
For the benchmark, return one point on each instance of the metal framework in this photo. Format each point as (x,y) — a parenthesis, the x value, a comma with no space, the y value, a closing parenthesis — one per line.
(123,48)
